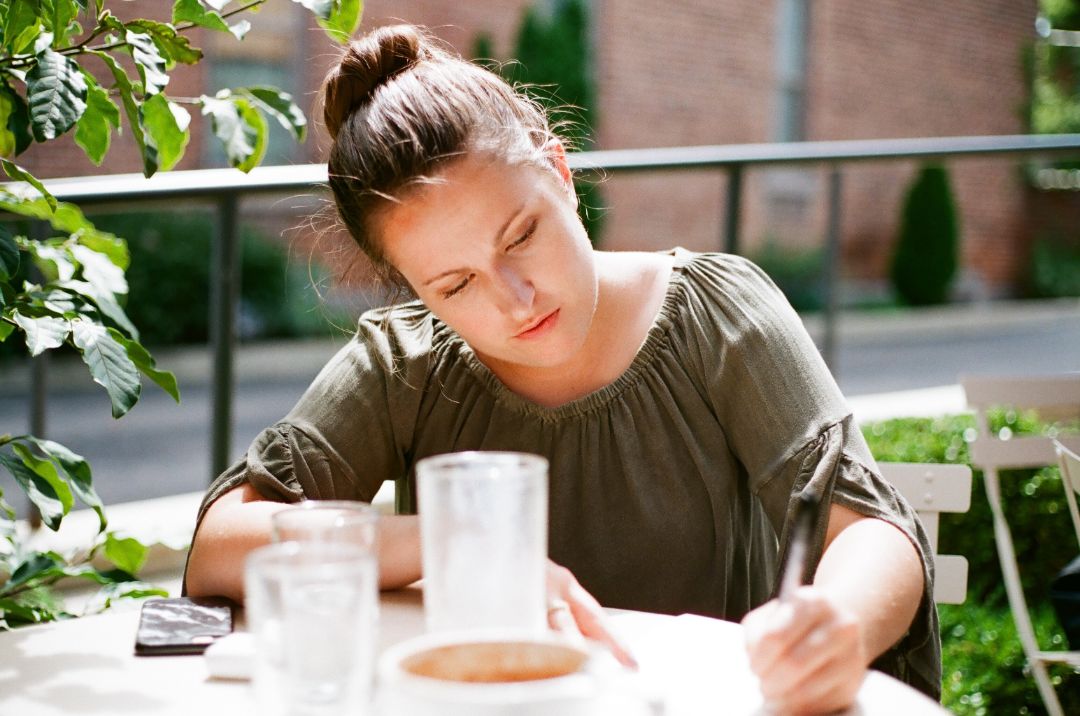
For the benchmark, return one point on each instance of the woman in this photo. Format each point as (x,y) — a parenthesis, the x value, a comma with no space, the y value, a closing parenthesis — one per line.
(677,397)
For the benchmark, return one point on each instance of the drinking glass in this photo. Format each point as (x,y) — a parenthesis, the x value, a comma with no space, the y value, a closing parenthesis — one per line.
(324,521)
(312,609)
(483,533)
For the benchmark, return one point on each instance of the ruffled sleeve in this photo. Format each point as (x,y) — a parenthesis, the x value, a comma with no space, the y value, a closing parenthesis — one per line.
(791,429)
(353,427)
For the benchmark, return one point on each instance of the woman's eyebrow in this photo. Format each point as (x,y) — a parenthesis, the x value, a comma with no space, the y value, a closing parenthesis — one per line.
(498,237)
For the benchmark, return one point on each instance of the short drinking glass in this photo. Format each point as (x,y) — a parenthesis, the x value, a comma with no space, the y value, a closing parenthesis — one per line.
(312,610)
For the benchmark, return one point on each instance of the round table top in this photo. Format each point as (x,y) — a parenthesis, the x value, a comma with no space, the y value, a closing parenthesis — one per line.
(693,664)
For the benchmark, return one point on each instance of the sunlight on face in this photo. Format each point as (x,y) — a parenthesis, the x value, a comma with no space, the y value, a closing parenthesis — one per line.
(498,253)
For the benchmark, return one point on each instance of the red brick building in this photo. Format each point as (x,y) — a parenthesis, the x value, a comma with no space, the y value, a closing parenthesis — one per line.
(716,72)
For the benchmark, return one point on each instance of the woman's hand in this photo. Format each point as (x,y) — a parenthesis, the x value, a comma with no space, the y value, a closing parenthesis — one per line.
(574,612)
(808,653)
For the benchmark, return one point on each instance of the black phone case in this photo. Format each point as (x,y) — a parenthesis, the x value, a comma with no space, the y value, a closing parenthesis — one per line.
(181,625)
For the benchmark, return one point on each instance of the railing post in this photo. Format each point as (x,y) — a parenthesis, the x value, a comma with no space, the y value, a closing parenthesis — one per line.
(832,268)
(734,204)
(224,299)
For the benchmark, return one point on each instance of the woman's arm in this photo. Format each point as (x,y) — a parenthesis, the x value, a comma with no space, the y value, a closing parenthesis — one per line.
(811,653)
(239,521)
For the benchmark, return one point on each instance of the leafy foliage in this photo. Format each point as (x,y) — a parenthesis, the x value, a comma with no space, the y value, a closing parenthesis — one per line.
(62,280)
(924,263)
(983,664)
(552,64)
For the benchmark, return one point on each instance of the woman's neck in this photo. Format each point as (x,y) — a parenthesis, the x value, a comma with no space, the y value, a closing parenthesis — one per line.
(631,291)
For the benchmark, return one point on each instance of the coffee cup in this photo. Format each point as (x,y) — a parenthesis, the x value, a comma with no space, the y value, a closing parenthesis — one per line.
(486,674)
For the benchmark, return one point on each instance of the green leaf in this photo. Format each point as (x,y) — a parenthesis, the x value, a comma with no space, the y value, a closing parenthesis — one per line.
(77,472)
(56,93)
(148,60)
(127,553)
(173,46)
(106,303)
(167,125)
(240,128)
(53,262)
(47,471)
(99,270)
(343,21)
(9,255)
(94,130)
(35,566)
(323,9)
(8,141)
(5,330)
(38,490)
(58,16)
(17,173)
(105,243)
(66,218)
(18,122)
(43,333)
(21,26)
(108,363)
(145,363)
(192,11)
(131,108)
(281,106)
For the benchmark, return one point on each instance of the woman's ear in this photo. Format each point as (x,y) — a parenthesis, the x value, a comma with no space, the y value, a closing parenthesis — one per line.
(556,154)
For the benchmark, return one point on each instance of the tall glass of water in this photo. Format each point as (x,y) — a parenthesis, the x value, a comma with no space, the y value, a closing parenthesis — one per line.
(483,529)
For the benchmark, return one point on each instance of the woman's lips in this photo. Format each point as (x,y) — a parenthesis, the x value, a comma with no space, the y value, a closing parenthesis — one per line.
(540,327)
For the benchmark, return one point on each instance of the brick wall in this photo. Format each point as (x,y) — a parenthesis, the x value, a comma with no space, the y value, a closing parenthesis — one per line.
(703,72)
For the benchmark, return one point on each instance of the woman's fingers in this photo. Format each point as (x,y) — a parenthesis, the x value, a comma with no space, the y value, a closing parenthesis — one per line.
(774,628)
(808,654)
(572,610)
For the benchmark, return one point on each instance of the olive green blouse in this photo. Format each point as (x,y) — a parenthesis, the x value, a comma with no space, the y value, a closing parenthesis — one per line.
(670,488)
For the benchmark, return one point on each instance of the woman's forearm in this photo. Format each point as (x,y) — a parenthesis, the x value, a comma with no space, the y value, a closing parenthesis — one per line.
(871,569)
(239,521)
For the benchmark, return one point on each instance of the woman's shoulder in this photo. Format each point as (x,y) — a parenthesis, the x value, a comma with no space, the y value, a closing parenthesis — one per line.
(729,286)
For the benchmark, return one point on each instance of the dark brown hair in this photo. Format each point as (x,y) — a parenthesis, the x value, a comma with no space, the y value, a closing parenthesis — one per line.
(399,107)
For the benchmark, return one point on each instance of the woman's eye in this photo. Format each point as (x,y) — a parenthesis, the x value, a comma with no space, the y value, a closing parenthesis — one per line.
(458,288)
(524,237)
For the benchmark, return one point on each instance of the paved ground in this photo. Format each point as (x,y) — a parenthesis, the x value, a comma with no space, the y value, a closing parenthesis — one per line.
(889,364)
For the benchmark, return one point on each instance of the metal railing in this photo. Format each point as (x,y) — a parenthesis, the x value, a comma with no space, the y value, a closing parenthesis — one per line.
(225,188)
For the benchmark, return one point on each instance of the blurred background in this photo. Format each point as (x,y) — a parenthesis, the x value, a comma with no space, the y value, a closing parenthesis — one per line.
(940,269)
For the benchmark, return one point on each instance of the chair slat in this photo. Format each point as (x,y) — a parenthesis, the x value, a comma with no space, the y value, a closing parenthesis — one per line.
(950,579)
(942,488)
(1018,452)
(984,392)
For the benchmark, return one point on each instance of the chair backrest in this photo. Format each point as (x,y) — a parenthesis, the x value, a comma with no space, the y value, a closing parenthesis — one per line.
(932,489)
(1057,393)
(1070,478)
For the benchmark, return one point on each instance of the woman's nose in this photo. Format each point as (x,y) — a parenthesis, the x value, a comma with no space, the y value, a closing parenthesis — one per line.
(515,290)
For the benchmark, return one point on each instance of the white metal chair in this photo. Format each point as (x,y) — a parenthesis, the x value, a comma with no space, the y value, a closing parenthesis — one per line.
(1059,395)
(1069,462)
(932,489)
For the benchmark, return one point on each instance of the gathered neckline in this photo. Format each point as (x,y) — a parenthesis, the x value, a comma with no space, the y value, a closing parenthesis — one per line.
(654,339)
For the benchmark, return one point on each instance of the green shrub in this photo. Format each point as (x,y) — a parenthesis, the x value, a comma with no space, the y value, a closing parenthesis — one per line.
(983,664)
(924,262)
(551,62)
(169,280)
(1055,268)
(798,272)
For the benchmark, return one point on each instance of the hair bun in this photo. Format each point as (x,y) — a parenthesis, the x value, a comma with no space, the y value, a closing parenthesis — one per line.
(368,63)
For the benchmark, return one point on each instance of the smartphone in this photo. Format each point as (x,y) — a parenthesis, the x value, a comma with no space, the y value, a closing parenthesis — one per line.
(182,625)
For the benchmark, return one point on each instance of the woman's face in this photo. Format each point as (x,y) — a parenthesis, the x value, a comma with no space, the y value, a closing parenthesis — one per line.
(498,253)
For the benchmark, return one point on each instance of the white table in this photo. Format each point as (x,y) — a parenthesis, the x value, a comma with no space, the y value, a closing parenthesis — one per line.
(88,666)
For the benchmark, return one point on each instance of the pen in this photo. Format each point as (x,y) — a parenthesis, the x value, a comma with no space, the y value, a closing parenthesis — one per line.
(806,508)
